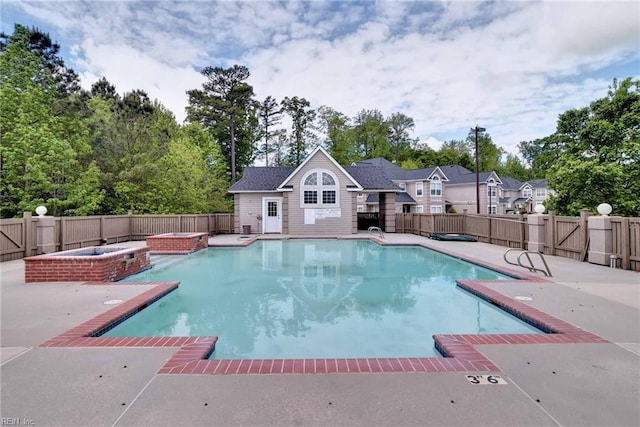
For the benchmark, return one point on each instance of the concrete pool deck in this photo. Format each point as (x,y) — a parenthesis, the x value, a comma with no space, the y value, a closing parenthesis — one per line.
(547,384)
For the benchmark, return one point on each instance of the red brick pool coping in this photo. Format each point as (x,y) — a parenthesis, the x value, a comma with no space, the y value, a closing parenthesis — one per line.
(191,357)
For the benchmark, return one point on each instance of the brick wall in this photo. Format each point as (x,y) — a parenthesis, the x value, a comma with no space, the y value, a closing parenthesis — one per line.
(68,268)
(173,243)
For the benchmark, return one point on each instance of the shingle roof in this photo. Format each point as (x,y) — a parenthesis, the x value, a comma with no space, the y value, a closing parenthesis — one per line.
(371,178)
(391,170)
(423,173)
(538,183)
(257,178)
(401,197)
(468,177)
(509,183)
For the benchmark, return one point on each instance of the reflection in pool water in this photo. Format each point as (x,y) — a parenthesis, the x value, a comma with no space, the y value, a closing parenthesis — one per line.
(319,298)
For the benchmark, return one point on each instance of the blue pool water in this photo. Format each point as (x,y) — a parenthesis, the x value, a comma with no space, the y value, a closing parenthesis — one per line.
(318,299)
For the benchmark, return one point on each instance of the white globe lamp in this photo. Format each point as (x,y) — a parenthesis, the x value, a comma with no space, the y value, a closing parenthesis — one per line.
(41,211)
(539,209)
(604,209)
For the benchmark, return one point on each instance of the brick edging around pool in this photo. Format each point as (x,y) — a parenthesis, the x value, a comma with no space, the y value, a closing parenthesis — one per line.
(191,357)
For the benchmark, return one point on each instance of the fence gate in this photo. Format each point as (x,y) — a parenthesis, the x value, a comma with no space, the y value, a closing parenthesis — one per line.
(568,236)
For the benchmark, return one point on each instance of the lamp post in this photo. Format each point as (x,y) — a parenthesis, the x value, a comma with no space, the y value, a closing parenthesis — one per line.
(476,130)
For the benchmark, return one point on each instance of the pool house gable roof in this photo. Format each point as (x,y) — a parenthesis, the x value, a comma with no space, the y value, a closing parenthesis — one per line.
(320,151)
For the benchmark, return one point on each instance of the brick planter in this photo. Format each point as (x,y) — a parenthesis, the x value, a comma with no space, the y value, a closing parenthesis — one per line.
(95,263)
(177,243)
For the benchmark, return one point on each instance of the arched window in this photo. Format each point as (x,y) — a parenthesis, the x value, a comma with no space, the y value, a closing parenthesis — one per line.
(435,186)
(319,188)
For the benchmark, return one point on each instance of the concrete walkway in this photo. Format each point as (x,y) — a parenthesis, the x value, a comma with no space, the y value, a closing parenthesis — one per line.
(547,384)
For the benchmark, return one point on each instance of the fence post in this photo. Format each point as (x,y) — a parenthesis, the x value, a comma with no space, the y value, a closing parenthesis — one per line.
(102,229)
(601,238)
(63,233)
(523,231)
(584,236)
(26,233)
(130,215)
(464,221)
(626,244)
(537,236)
(552,232)
(46,236)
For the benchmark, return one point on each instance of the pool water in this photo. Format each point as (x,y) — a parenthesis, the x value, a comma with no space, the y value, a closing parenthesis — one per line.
(318,299)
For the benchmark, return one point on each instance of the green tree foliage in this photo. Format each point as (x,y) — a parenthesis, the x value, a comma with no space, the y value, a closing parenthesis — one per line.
(400,141)
(489,154)
(131,134)
(185,183)
(44,156)
(599,158)
(65,79)
(302,118)
(370,133)
(541,154)
(514,168)
(337,135)
(225,106)
(270,114)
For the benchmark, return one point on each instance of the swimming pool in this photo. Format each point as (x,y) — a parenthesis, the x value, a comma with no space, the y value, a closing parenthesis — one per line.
(319,298)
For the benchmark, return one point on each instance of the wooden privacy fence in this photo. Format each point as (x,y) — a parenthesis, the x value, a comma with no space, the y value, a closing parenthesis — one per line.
(510,231)
(564,236)
(426,224)
(626,242)
(504,230)
(18,237)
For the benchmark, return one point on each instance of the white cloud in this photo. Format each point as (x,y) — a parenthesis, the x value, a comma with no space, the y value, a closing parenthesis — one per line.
(511,67)
(161,81)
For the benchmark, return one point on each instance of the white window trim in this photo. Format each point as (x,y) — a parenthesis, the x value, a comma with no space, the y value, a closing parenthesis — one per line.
(541,192)
(359,208)
(420,187)
(526,191)
(319,188)
(435,209)
(403,186)
(419,209)
(435,190)
(493,209)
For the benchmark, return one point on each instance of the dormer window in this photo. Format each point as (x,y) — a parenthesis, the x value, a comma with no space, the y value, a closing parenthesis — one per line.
(435,187)
(526,192)
(319,189)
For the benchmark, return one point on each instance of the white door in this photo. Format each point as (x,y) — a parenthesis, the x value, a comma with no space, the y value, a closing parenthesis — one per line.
(272,214)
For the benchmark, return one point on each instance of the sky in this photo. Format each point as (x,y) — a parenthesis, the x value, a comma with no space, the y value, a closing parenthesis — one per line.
(510,67)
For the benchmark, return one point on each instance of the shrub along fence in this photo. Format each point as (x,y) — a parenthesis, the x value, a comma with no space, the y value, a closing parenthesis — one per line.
(19,236)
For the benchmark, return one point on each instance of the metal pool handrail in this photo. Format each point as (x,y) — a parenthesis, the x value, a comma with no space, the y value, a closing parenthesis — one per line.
(373,229)
(530,267)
